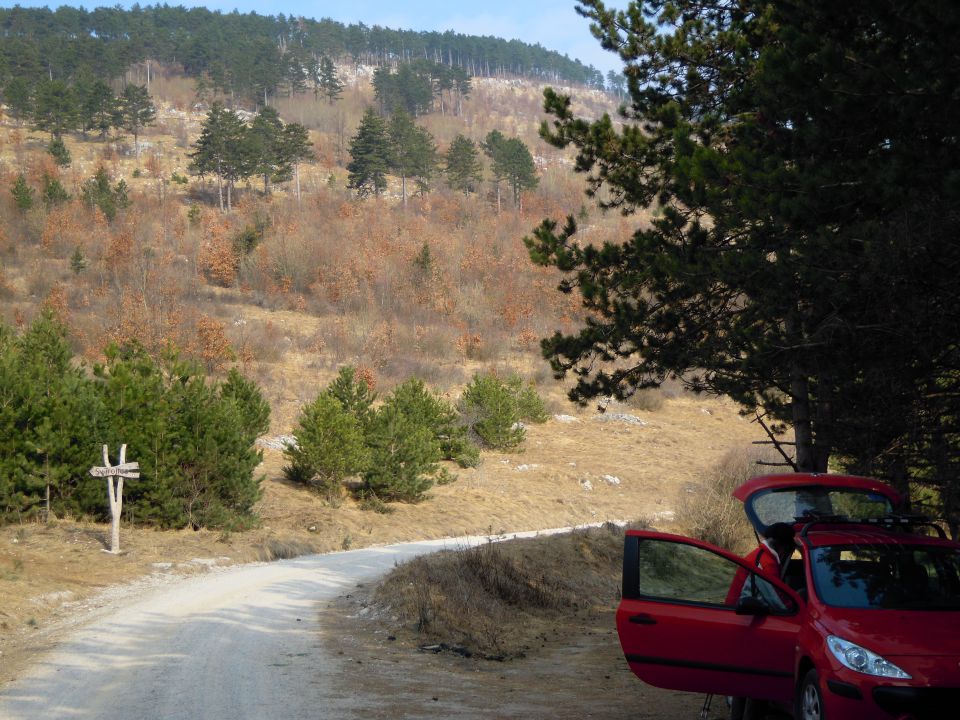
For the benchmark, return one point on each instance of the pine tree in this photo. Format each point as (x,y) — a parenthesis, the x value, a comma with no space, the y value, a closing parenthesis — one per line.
(22,194)
(511,162)
(416,402)
(55,108)
(294,148)
(412,152)
(803,251)
(462,86)
(57,149)
(516,165)
(370,153)
(406,89)
(404,456)
(137,111)
(262,142)
(219,150)
(354,394)
(97,192)
(329,446)
(295,70)
(493,148)
(78,263)
(329,82)
(490,409)
(463,169)
(616,83)
(193,439)
(53,192)
(99,108)
(49,420)
(16,96)
(251,407)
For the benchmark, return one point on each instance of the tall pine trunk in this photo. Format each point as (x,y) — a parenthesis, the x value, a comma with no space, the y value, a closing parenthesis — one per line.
(220,186)
(802,426)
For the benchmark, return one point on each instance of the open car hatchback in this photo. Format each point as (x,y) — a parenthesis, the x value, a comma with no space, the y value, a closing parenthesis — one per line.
(863,625)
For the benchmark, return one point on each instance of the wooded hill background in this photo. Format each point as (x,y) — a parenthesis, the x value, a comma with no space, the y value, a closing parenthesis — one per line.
(115,227)
(248,55)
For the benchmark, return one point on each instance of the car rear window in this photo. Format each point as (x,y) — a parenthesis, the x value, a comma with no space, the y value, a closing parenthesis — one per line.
(889,577)
(793,504)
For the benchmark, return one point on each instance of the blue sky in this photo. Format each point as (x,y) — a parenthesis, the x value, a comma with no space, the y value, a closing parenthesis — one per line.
(552,23)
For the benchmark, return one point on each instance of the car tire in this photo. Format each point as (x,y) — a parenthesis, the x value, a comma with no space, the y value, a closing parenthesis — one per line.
(747,709)
(810,699)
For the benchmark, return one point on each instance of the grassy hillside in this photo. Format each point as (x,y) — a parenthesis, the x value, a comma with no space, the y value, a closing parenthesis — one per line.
(331,280)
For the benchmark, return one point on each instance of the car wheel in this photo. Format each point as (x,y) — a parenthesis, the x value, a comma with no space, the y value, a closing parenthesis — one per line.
(746,709)
(810,700)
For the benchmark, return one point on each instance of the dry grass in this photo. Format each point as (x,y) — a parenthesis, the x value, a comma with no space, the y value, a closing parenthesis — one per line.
(284,549)
(496,601)
(707,510)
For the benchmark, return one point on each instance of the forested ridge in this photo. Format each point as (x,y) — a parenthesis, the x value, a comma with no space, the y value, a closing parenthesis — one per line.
(247,54)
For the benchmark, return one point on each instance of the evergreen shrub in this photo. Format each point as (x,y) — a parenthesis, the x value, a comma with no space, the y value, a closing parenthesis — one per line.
(404,456)
(59,152)
(330,446)
(355,395)
(441,418)
(530,407)
(192,438)
(493,408)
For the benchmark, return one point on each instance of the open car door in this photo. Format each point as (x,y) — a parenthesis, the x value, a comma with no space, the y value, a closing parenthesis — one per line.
(698,619)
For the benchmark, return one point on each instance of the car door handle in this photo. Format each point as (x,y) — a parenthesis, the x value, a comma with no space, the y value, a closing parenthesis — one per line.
(642,619)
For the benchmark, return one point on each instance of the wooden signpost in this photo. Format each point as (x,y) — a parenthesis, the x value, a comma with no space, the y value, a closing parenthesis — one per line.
(120,471)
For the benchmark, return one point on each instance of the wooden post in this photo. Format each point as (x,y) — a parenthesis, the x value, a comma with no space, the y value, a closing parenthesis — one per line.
(115,491)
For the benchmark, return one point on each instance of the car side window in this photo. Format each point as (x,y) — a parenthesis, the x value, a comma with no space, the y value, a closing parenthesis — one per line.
(682,573)
(686,573)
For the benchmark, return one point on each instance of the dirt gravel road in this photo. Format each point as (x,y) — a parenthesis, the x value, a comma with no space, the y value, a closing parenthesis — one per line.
(252,642)
(285,641)
(241,643)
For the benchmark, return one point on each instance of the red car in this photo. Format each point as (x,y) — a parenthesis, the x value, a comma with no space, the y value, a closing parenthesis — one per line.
(865,625)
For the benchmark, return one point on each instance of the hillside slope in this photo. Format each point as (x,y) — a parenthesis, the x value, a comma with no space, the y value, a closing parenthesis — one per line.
(571,472)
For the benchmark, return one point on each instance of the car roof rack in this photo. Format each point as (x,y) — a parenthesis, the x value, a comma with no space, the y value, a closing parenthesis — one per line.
(893,522)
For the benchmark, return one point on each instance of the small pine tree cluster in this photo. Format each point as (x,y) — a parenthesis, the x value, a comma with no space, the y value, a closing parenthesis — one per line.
(194,439)
(97,192)
(400,147)
(52,192)
(396,449)
(234,151)
(495,409)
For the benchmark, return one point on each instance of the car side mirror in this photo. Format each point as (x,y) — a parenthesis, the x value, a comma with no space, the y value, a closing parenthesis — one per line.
(750,605)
